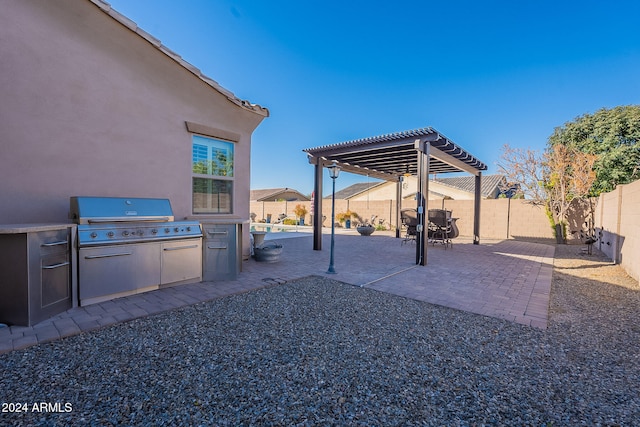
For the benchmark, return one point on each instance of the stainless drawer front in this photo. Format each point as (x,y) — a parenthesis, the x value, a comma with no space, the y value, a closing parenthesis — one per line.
(109,270)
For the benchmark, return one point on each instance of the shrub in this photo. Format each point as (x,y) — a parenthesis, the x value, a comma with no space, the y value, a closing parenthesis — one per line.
(343,216)
(300,211)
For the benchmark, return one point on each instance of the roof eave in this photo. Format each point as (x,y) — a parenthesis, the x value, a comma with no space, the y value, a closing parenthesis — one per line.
(131,25)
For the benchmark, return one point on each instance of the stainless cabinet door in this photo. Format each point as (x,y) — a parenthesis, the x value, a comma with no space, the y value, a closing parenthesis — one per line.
(121,268)
(221,252)
(181,260)
(56,280)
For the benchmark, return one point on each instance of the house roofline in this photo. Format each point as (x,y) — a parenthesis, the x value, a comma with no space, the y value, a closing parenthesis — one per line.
(278,191)
(131,25)
(372,186)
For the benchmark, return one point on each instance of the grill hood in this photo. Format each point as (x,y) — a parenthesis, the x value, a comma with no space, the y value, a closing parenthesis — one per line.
(91,210)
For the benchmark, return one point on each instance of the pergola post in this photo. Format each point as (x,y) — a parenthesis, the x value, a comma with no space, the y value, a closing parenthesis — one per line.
(422,197)
(476,208)
(317,206)
(398,205)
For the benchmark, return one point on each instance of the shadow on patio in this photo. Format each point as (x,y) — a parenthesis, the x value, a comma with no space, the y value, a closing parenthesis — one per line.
(506,279)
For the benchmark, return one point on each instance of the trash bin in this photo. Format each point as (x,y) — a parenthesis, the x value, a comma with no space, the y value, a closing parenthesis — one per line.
(559,234)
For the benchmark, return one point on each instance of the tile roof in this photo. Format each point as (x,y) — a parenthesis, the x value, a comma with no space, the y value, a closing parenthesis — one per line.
(490,184)
(106,8)
(270,193)
(354,190)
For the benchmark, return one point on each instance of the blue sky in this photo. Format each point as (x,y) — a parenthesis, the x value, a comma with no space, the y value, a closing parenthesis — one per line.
(484,74)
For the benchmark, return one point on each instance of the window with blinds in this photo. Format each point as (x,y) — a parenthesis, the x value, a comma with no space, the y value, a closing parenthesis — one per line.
(212,175)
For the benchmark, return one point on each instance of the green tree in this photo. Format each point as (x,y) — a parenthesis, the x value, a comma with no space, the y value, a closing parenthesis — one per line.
(613,135)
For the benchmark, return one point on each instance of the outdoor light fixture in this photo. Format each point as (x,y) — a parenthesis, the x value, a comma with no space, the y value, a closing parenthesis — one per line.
(334,171)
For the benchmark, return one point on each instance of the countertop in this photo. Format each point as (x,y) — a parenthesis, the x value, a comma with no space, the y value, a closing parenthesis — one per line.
(32,228)
(223,219)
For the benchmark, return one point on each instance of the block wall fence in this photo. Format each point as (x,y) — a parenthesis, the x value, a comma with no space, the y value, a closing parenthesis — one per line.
(617,215)
(500,218)
(616,218)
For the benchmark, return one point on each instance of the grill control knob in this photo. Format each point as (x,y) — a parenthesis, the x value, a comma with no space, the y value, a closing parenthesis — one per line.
(176,229)
(111,234)
(188,228)
(125,233)
(94,235)
(154,231)
(166,230)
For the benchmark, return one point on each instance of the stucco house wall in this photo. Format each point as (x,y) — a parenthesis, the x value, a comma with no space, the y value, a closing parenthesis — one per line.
(94,106)
(382,191)
(438,190)
(387,190)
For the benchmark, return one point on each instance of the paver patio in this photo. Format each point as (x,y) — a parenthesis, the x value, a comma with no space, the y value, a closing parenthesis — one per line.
(506,279)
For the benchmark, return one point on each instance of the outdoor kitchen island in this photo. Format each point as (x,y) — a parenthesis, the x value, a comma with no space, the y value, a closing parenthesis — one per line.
(132,245)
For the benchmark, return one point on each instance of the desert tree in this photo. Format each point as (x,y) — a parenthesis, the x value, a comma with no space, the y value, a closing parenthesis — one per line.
(613,135)
(568,176)
(524,167)
(555,178)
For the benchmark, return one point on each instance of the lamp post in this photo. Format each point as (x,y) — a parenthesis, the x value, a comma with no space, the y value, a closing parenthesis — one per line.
(334,171)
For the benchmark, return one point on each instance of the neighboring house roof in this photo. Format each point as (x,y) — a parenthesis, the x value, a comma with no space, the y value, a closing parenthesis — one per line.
(271,194)
(412,195)
(490,184)
(106,8)
(355,189)
(490,187)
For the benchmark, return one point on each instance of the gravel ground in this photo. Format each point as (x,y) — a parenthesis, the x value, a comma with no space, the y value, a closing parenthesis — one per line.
(320,352)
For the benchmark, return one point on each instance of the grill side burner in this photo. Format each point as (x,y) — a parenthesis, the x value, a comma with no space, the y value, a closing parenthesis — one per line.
(132,245)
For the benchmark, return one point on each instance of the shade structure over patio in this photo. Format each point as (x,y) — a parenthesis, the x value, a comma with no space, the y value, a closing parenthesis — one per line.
(390,157)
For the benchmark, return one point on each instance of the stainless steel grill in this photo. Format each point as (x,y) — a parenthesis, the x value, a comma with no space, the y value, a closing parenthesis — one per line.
(112,220)
(132,245)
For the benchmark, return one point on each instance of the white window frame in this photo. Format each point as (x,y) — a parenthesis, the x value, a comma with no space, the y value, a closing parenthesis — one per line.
(211,144)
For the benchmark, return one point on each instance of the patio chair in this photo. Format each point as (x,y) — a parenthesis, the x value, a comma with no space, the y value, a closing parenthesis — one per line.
(280,219)
(588,236)
(442,228)
(409,219)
